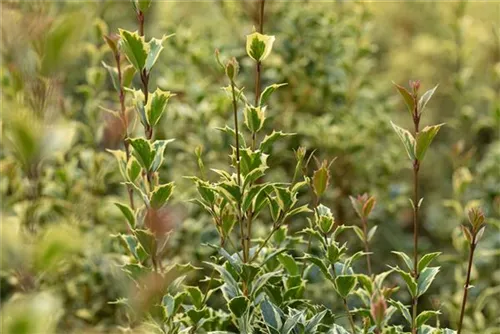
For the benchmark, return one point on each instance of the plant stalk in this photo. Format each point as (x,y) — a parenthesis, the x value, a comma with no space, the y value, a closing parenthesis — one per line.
(144,76)
(238,171)
(123,113)
(467,281)
(367,246)
(416,168)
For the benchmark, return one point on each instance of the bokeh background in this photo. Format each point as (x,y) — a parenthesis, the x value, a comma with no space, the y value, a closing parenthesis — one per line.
(59,261)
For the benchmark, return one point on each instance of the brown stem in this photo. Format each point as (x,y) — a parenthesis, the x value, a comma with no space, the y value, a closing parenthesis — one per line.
(140,18)
(416,168)
(367,246)
(467,281)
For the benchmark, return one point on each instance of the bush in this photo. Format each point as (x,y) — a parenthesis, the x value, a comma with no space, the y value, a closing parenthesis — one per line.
(250,220)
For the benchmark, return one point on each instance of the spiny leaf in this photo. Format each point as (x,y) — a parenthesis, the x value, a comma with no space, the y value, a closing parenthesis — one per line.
(134,48)
(161,195)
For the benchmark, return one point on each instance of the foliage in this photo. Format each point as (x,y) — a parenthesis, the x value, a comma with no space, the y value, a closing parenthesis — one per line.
(249,222)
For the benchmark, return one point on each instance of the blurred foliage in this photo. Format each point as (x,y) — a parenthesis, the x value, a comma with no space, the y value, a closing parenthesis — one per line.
(59,265)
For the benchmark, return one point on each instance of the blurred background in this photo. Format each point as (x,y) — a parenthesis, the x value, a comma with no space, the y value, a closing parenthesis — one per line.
(59,261)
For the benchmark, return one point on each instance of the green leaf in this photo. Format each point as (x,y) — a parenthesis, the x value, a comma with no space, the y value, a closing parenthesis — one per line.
(424,316)
(426,260)
(407,139)
(156,106)
(254,117)
(285,198)
(128,73)
(134,48)
(238,306)
(128,213)
(407,97)
(113,73)
(425,279)
(405,258)
(271,314)
(402,309)
(320,264)
(143,152)
(320,180)
(289,263)
(196,296)
(133,169)
(259,46)
(161,194)
(422,102)
(345,284)
(154,50)
(143,5)
(424,139)
(147,241)
(266,94)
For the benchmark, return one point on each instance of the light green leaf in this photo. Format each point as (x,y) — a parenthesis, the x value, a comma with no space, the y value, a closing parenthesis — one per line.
(266,94)
(289,263)
(424,139)
(407,139)
(159,149)
(269,140)
(410,281)
(128,213)
(422,102)
(154,50)
(402,309)
(405,258)
(426,260)
(423,317)
(425,279)
(156,106)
